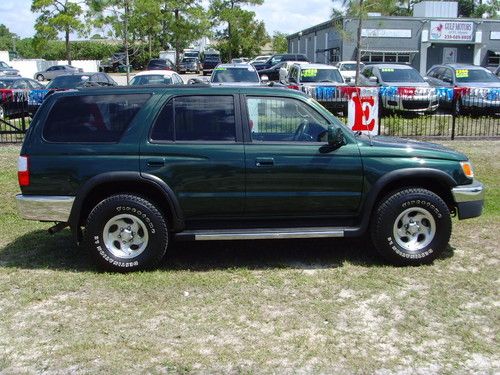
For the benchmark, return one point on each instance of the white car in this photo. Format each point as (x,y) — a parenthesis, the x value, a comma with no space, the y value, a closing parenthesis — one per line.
(156,77)
(321,82)
(260,59)
(348,69)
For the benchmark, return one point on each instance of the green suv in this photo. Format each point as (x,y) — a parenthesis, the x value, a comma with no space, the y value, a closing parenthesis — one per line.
(131,170)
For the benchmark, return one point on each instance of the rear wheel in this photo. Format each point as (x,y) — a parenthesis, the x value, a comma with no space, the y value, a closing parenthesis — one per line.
(411,227)
(126,233)
(40,77)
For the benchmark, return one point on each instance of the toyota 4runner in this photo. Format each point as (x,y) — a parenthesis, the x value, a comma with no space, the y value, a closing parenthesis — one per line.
(129,170)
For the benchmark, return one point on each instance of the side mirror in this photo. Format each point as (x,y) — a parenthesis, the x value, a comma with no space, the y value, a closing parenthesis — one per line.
(373,79)
(335,137)
(264,78)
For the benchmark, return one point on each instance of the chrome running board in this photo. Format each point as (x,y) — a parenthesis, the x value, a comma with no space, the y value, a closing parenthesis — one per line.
(259,234)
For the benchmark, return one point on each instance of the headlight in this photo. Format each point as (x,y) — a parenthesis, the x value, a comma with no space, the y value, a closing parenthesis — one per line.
(467,168)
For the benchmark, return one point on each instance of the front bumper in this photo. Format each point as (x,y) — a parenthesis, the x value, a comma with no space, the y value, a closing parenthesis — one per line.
(45,208)
(417,103)
(469,199)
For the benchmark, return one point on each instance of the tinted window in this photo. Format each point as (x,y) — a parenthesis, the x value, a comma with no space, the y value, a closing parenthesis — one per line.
(151,79)
(284,120)
(68,82)
(222,75)
(400,75)
(197,118)
(20,84)
(102,118)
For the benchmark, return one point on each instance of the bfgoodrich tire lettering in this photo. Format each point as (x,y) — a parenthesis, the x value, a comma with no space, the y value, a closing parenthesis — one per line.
(411,226)
(126,233)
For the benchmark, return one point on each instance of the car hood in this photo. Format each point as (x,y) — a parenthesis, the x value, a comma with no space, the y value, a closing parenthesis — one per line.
(232,84)
(399,147)
(406,84)
(323,84)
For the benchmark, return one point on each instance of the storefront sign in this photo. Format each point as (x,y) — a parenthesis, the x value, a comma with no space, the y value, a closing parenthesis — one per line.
(386,33)
(452,31)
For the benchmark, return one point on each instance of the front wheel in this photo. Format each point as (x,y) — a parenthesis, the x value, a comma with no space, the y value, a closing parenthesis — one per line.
(126,233)
(40,77)
(411,227)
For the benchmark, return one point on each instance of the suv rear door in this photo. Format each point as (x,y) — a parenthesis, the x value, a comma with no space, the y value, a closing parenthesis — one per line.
(195,146)
(289,172)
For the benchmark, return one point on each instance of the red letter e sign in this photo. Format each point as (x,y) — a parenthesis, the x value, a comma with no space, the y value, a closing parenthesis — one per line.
(363,113)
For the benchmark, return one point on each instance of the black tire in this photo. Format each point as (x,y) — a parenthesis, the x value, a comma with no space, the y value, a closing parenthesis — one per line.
(40,78)
(122,214)
(427,233)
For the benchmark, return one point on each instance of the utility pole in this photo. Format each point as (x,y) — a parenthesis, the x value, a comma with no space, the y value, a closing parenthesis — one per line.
(358,41)
(125,37)
(177,52)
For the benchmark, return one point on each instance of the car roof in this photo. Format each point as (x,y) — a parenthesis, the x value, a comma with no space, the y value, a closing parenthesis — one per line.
(11,78)
(168,73)
(390,66)
(316,66)
(350,62)
(463,66)
(237,66)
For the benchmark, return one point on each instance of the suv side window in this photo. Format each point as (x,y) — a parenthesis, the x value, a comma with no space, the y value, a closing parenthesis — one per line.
(273,119)
(196,118)
(92,118)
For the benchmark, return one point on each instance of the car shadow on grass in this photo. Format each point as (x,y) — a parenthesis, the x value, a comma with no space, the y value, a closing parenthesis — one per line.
(40,250)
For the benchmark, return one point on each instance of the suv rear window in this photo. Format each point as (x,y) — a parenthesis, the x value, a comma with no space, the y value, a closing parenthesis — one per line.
(92,118)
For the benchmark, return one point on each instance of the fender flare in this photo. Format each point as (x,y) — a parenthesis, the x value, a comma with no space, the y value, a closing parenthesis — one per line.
(100,179)
(398,174)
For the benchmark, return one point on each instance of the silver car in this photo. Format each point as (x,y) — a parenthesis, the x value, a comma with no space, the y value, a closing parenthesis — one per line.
(56,71)
(236,74)
(477,88)
(8,71)
(401,88)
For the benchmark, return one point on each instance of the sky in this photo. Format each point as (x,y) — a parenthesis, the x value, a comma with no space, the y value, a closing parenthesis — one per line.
(287,16)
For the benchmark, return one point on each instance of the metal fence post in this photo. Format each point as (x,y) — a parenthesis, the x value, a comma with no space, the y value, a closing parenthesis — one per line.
(453,115)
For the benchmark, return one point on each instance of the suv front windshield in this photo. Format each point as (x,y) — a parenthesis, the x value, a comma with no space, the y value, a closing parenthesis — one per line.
(475,75)
(227,75)
(400,75)
(320,75)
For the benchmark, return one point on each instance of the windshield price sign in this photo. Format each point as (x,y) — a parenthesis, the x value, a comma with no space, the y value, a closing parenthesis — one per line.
(452,31)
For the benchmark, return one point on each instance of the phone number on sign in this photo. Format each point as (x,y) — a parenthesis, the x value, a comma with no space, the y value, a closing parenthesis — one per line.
(458,37)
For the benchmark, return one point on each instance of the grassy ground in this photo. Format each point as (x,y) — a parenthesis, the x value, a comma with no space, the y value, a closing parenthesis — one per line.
(251,307)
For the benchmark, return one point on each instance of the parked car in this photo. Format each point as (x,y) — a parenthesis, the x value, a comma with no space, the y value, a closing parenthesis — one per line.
(238,163)
(273,60)
(160,64)
(115,63)
(321,82)
(278,72)
(348,69)
(477,81)
(73,81)
(235,74)
(156,77)
(260,59)
(16,106)
(189,64)
(402,88)
(56,71)
(210,61)
(7,71)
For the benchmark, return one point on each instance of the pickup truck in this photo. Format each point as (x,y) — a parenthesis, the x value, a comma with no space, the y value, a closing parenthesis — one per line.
(130,170)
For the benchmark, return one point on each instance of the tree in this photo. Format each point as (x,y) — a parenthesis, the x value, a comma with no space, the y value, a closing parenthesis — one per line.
(239,22)
(183,22)
(117,14)
(280,43)
(57,16)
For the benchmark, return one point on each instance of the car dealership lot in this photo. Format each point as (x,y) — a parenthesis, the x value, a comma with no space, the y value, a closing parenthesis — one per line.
(253,306)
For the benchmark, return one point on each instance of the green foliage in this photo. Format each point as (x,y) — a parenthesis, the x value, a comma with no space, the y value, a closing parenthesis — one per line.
(6,39)
(280,44)
(243,34)
(56,16)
